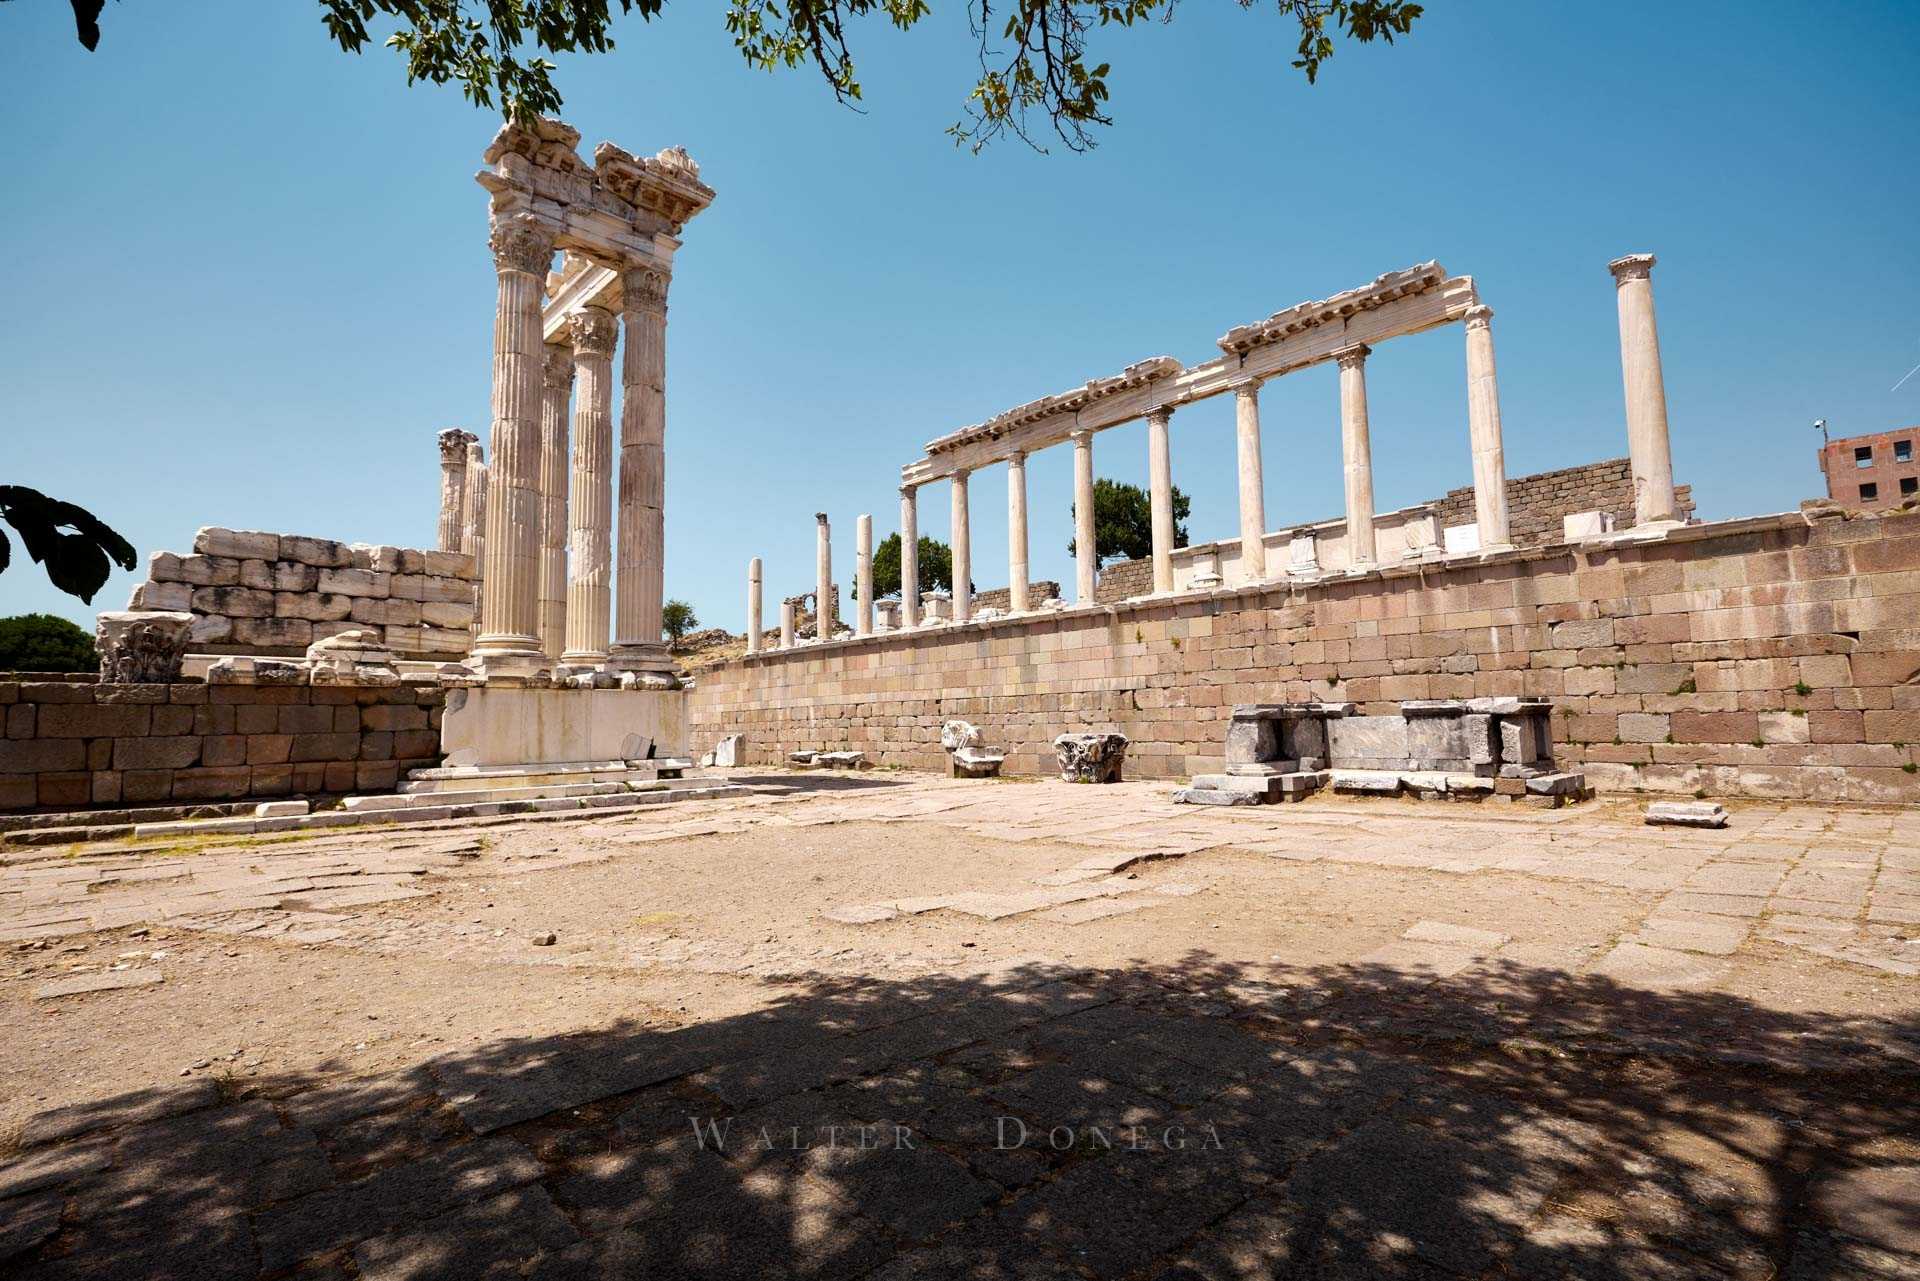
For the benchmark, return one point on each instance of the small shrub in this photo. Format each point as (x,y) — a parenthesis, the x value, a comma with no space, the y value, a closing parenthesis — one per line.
(1802,688)
(1911,768)
(1687,687)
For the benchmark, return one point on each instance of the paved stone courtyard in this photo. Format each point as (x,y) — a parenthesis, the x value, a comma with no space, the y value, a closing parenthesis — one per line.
(894,1026)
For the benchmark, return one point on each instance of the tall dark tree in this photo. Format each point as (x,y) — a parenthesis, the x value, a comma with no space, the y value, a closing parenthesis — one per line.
(45,643)
(75,546)
(936,566)
(1123,521)
(1034,61)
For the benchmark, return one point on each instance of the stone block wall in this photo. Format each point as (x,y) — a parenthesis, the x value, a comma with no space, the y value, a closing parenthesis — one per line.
(275,594)
(75,743)
(1773,657)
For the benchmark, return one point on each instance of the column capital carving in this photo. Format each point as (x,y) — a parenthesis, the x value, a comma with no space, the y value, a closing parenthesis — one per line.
(559,367)
(1081,437)
(820,517)
(521,243)
(1479,316)
(643,288)
(1354,357)
(594,331)
(1162,414)
(1246,388)
(453,446)
(1632,267)
(1017,457)
(959,475)
(910,492)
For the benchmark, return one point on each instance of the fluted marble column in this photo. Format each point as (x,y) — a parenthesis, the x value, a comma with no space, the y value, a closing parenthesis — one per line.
(590,490)
(1483,430)
(637,639)
(1160,487)
(962,551)
(753,606)
(558,388)
(863,575)
(1253,491)
(1085,555)
(509,642)
(823,577)
(473,514)
(1356,454)
(1648,447)
(909,556)
(1017,533)
(453,488)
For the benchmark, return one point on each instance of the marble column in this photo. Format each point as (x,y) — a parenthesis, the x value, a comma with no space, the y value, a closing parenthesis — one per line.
(553,500)
(863,575)
(641,584)
(1160,487)
(1086,559)
(1356,455)
(1253,491)
(962,552)
(453,488)
(509,641)
(1017,533)
(788,624)
(594,332)
(1648,447)
(823,578)
(909,556)
(1483,430)
(753,606)
(473,535)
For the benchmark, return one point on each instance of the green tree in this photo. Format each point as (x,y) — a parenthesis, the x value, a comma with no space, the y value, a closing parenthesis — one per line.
(45,643)
(75,546)
(676,619)
(1123,522)
(936,566)
(1033,55)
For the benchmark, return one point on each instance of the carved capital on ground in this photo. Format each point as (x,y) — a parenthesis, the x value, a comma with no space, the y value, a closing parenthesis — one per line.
(1354,357)
(594,331)
(1632,267)
(1479,316)
(521,244)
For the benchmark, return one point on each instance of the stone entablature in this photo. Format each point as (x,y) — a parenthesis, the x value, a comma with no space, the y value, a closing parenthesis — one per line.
(255,592)
(1773,657)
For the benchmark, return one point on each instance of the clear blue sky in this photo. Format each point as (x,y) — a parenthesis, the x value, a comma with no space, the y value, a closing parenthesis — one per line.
(248,277)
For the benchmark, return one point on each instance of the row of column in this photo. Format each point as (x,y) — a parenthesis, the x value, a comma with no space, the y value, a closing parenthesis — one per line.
(550,549)
(1647,439)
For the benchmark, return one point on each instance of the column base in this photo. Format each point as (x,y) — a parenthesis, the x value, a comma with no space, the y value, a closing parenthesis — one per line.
(510,666)
(643,666)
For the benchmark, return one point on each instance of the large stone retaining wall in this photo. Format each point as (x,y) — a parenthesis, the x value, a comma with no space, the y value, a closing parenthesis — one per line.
(72,743)
(1773,657)
(274,594)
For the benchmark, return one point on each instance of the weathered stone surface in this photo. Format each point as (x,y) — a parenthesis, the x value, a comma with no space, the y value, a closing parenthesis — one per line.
(1686,814)
(1091,758)
(356,582)
(142,648)
(240,544)
(730,751)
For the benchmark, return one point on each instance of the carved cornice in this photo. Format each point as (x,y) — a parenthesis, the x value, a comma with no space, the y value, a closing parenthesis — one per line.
(1307,315)
(1134,376)
(644,289)
(594,331)
(559,367)
(1354,357)
(1632,267)
(1479,316)
(521,244)
(453,446)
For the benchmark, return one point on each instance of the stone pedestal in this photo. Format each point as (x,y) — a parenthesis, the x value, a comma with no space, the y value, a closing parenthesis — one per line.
(491,725)
(141,648)
(1253,494)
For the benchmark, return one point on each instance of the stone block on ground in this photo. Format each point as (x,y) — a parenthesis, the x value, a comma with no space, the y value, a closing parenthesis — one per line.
(1686,814)
(1091,758)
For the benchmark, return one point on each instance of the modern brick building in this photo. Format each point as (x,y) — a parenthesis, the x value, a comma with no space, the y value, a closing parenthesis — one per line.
(1873,472)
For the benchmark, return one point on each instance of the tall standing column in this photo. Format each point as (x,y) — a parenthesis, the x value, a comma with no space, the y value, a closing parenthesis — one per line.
(909,556)
(637,643)
(558,386)
(1017,533)
(1085,555)
(962,551)
(1483,430)
(453,488)
(1160,485)
(590,500)
(823,578)
(473,515)
(1253,491)
(509,641)
(1356,453)
(863,575)
(788,624)
(753,606)
(1648,447)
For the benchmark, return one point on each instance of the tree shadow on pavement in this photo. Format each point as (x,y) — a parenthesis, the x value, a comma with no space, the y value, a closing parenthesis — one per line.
(1204,1119)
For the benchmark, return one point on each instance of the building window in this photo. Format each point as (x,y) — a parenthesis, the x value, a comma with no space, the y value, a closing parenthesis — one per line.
(1869,492)
(1902,451)
(1863,455)
(1909,486)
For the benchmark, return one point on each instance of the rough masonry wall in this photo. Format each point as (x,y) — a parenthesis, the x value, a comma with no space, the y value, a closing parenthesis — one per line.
(1771,657)
(275,594)
(1535,506)
(71,743)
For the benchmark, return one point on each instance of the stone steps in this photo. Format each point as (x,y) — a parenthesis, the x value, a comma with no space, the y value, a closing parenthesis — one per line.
(463,778)
(513,790)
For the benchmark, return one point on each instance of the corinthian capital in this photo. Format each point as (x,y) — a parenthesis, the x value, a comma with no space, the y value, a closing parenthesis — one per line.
(594,331)
(559,366)
(453,447)
(1631,267)
(1353,357)
(1479,316)
(644,288)
(521,243)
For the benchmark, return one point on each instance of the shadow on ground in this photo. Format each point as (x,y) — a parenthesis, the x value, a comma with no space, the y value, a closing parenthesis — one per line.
(1197,1120)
